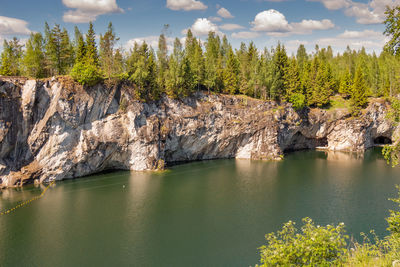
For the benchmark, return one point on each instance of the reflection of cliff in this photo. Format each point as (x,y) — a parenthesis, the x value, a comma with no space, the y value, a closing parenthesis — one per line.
(344,157)
(57,129)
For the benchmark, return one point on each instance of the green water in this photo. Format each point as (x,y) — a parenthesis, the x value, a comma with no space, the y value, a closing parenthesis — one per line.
(212,213)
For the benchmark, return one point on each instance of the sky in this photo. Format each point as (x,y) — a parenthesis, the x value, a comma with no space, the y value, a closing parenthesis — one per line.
(266,22)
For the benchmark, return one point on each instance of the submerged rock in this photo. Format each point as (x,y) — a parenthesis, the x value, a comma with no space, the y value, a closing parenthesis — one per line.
(56,129)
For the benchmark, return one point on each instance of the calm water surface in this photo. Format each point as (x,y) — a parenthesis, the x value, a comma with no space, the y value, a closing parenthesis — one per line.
(212,213)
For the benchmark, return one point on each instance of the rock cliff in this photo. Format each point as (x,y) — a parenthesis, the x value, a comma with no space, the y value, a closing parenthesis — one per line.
(56,129)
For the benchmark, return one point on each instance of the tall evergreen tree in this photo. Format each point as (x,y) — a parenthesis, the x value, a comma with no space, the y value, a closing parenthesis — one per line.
(107,43)
(34,59)
(359,92)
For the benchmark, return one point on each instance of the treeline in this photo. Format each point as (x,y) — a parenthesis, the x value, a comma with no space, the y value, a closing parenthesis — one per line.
(304,79)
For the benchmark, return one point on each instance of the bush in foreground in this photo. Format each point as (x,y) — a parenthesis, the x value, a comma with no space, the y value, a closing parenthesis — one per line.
(329,245)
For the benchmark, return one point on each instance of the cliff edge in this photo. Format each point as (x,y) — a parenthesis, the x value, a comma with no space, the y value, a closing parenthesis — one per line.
(57,129)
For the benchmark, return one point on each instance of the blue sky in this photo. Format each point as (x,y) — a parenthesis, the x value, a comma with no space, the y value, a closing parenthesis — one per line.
(327,22)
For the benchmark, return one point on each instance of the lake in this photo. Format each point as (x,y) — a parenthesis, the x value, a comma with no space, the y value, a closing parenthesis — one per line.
(209,213)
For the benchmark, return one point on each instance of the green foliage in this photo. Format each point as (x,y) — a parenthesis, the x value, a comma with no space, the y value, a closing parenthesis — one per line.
(358,92)
(394,111)
(86,74)
(394,218)
(34,58)
(313,246)
(11,58)
(298,100)
(328,245)
(392,30)
(110,60)
(304,79)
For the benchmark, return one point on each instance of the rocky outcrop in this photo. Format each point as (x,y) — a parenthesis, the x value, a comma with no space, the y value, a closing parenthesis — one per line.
(56,129)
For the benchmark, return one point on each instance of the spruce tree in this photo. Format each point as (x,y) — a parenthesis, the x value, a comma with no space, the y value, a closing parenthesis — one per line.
(107,43)
(34,59)
(280,62)
(231,74)
(6,60)
(162,55)
(345,86)
(358,92)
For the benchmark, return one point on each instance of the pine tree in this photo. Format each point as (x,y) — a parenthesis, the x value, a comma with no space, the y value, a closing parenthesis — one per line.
(86,68)
(80,46)
(211,61)
(162,55)
(107,43)
(66,52)
(280,63)
(11,58)
(6,60)
(345,84)
(358,92)
(197,65)
(231,74)
(91,56)
(34,59)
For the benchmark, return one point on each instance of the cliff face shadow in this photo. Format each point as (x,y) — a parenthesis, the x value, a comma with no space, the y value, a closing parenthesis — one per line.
(300,142)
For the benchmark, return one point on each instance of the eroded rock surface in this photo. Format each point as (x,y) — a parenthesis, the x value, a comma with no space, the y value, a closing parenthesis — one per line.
(56,129)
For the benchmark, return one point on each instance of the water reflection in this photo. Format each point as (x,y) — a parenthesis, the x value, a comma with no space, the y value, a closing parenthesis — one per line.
(201,213)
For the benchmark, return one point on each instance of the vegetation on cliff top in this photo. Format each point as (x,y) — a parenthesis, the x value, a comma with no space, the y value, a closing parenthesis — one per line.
(304,79)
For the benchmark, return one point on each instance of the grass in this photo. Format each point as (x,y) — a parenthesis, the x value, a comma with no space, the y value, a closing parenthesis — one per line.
(338,102)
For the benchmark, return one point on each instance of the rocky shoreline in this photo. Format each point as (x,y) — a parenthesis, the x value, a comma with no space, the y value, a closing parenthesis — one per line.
(56,129)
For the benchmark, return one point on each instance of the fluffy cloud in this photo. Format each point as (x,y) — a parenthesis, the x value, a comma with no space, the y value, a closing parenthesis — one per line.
(12,26)
(270,21)
(231,27)
(186,5)
(245,35)
(372,12)
(203,26)
(274,23)
(307,26)
(87,10)
(223,12)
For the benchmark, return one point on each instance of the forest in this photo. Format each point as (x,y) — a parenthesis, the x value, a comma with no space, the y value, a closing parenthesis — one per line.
(304,79)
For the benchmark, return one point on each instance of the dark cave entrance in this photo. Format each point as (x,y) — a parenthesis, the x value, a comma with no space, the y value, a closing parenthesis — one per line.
(382,140)
(300,142)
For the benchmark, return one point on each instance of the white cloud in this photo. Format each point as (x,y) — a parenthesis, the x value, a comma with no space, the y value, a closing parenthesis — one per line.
(12,26)
(186,5)
(274,23)
(87,10)
(307,26)
(231,27)
(245,35)
(270,21)
(203,26)
(372,12)
(223,12)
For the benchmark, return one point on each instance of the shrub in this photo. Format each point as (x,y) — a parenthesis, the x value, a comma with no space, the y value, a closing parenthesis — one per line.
(86,74)
(315,245)
(298,101)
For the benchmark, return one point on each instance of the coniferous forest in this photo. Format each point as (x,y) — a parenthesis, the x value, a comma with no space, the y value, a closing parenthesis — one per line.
(308,78)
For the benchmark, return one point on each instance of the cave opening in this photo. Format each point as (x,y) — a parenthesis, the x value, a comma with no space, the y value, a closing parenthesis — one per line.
(382,140)
(301,142)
